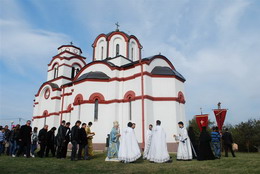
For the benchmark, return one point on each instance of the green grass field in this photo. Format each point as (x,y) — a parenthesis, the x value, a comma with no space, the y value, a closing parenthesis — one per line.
(243,163)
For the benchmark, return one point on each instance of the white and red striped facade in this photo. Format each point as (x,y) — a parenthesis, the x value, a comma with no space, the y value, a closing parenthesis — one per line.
(117,85)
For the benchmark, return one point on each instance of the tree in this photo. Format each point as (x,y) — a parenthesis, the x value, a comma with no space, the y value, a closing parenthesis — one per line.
(247,135)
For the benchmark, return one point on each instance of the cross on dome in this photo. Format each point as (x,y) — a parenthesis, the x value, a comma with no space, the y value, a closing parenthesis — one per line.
(117,26)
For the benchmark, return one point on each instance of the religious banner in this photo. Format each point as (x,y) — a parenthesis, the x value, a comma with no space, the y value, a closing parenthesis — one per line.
(220,115)
(203,117)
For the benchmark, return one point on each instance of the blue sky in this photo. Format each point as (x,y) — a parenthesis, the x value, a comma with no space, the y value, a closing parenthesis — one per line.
(214,44)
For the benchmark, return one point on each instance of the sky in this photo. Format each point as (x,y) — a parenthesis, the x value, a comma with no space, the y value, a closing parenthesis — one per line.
(214,44)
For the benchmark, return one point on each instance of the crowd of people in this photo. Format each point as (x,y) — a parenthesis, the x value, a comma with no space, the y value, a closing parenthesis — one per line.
(124,147)
(208,147)
(23,140)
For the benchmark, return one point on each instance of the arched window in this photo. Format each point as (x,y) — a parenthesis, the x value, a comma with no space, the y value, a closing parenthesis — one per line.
(102,53)
(56,71)
(129,97)
(132,53)
(117,49)
(74,70)
(96,110)
(79,111)
(130,109)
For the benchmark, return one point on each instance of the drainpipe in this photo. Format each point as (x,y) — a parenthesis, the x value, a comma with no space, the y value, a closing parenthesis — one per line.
(142,91)
(62,103)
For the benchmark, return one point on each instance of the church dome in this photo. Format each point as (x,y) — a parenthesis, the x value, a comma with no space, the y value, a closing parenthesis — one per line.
(116,43)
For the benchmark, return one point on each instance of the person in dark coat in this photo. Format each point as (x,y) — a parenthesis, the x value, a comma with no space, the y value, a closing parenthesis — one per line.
(75,139)
(42,138)
(205,152)
(25,139)
(12,144)
(50,142)
(194,142)
(67,140)
(61,138)
(228,141)
(16,140)
(83,142)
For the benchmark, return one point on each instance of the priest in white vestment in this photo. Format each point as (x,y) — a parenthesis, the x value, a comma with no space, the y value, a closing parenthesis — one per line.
(148,141)
(158,152)
(129,149)
(184,149)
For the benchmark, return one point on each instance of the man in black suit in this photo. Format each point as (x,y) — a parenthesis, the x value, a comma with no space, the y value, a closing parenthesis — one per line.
(228,141)
(61,138)
(51,142)
(42,137)
(83,142)
(67,140)
(25,139)
(75,139)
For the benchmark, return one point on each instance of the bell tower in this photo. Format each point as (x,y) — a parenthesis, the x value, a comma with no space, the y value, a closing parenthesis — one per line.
(65,65)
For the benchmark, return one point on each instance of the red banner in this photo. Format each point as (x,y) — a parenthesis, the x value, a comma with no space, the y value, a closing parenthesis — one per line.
(203,117)
(220,115)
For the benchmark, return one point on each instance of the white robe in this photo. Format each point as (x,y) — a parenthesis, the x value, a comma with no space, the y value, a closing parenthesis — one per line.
(184,149)
(158,152)
(147,143)
(129,149)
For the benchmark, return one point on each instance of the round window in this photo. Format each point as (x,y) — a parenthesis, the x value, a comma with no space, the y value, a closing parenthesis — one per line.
(47,93)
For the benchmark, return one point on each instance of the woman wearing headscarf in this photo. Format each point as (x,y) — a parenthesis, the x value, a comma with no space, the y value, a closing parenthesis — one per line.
(112,154)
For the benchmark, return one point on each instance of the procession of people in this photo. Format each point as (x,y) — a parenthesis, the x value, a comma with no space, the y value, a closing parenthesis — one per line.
(122,146)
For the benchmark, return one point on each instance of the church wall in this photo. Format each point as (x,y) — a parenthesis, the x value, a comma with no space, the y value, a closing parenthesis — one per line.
(149,114)
(53,121)
(165,111)
(163,87)
(131,71)
(132,85)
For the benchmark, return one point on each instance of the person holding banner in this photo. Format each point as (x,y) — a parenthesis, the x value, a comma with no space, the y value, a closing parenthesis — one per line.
(184,149)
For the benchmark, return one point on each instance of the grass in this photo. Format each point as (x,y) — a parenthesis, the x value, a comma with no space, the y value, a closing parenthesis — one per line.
(243,163)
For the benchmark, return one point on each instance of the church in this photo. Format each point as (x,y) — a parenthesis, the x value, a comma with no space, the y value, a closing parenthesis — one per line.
(117,85)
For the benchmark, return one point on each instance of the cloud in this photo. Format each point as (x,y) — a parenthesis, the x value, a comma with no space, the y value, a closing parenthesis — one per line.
(213,44)
(25,47)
